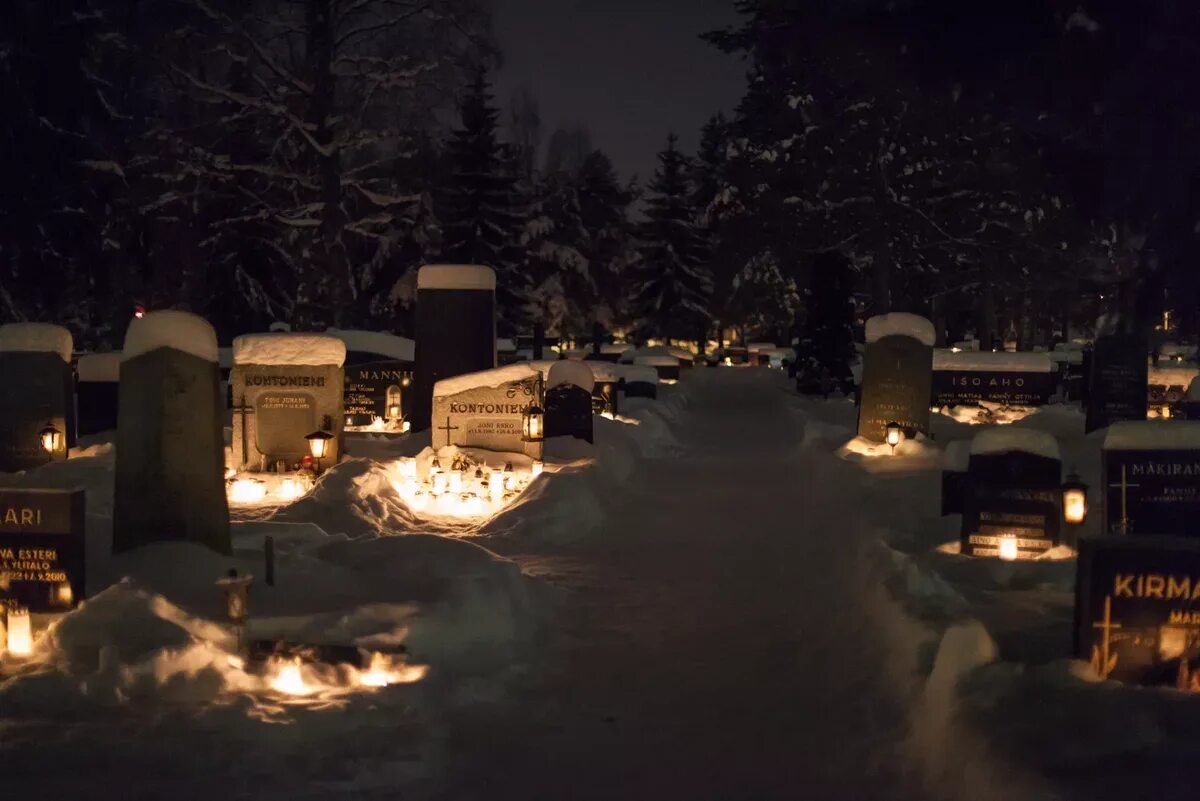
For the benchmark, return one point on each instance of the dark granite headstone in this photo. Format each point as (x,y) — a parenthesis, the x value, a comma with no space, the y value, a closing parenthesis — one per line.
(569,412)
(36,391)
(1137,609)
(896,386)
(368,387)
(955,387)
(1117,382)
(97,386)
(954,476)
(1152,491)
(170,471)
(1013,494)
(641,382)
(455,329)
(42,560)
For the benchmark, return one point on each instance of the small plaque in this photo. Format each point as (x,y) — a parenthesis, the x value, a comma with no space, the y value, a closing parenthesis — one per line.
(42,559)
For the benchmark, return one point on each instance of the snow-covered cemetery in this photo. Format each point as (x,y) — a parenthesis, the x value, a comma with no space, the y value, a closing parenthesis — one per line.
(813,413)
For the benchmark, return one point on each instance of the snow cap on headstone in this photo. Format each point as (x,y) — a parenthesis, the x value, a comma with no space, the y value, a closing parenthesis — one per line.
(957,456)
(178,330)
(569,371)
(902,323)
(1003,362)
(1006,439)
(36,338)
(456,276)
(667,355)
(1153,435)
(294,349)
(639,374)
(485,379)
(99,367)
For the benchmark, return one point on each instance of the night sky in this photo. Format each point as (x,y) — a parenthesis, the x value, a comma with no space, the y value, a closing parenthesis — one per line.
(630,71)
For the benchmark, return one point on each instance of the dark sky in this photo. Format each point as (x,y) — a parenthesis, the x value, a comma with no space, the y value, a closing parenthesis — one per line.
(629,71)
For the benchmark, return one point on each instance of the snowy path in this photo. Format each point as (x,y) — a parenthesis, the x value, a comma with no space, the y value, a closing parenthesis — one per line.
(728,637)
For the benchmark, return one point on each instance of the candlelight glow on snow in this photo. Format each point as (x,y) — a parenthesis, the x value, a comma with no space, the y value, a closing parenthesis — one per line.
(300,680)
(464,489)
(267,488)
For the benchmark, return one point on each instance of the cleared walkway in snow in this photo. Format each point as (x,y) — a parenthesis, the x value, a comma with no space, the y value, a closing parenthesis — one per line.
(728,637)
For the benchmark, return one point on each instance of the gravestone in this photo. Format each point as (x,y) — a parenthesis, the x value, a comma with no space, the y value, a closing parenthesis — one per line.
(1137,609)
(606,392)
(667,367)
(285,386)
(640,382)
(97,385)
(1117,385)
(42,564)
(1010,379)
(569,400)
(487,410)
(456,328)
(170,471)
(897,375)
(1152,478)
(1013,489)
(955,462)
(36,391)
(371,387)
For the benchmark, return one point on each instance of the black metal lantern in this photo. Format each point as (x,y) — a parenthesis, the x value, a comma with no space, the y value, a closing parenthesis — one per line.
(1074,500)
(534,424)
(895,435)
(51,439)
(318,445)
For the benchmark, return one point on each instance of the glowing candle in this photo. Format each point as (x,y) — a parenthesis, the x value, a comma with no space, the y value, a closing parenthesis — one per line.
(20,633)
(1008,548)
(537,469)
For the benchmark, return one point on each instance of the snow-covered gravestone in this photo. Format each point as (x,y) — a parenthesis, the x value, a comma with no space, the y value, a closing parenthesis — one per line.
(170,473)
(1117,381)
(36,391)
(955,462)
(640,382)
(897,375)
(377,376)
(1012,506)
(97,381)
(285,387)
(1137,609)
(455,328)
(569,400)
(487,410)
(1012,379)
(1152,478)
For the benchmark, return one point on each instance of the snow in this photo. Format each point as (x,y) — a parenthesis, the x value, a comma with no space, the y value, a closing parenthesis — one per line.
(456,276)
(614,347)
(992,362)
(1153,435)
(36,338)
(639,374)
(1171,376)
(1013,438)
(675,354)
(604,371)
(916,454)
(389,345)
(957,456)
(569,371)
(656,361)
(178,330)
(289,349)
(495,377)
(900,323)
(105,367)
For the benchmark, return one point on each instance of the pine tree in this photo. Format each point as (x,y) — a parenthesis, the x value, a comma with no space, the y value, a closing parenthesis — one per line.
(672,287)
(826,346)
(608,245)
(481,221)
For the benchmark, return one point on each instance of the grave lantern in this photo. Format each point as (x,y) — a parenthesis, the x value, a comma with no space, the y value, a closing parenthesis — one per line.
(393,403)
(534,423)
(51,439)
(537,469)
(318,445)
(20,632)
(1074,500)
(894,435)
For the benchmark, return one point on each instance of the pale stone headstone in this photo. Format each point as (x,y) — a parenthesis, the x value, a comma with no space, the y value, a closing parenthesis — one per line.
(455,328)
(285,386)
(897,375)
(487,410)
(170,482)
(36,391)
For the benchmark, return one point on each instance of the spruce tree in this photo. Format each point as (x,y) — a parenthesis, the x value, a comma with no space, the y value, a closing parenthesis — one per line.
(480,216)
(608,245)
(826,346)
(672,287)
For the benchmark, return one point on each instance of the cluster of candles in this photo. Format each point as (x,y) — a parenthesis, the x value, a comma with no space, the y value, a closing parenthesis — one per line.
(255,490)
(292,677)
(464,490)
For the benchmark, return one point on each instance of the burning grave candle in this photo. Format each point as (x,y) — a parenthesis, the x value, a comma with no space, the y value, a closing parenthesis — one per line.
(20,632)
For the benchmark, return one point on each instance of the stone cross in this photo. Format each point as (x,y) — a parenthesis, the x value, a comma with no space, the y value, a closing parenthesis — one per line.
(447,428)
(1125,486)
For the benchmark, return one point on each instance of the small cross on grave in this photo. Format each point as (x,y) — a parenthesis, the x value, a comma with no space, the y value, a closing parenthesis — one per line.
(240,411)
(1108,627)
(447,428)
(1125,487)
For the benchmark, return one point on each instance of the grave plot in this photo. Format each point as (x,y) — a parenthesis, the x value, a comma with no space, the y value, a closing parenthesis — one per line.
(1151,478)
(37,395)
(996,386)
(378,381)
(897,377)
